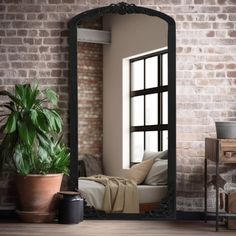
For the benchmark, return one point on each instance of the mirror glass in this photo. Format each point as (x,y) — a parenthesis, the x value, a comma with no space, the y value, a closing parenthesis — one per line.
(122,86)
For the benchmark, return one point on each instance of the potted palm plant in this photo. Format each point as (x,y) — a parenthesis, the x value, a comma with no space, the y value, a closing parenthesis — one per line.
(32,146)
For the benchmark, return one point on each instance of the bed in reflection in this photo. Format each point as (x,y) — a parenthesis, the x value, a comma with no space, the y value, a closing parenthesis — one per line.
(140,190)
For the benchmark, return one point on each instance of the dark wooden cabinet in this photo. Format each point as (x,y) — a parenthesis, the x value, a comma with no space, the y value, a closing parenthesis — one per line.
(220,151)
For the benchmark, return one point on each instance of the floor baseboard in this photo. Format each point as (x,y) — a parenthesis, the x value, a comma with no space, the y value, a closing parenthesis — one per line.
(180,215)
(8,214)
(187,215)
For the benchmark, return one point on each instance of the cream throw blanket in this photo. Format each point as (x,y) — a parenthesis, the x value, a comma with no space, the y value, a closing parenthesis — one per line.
(121,194)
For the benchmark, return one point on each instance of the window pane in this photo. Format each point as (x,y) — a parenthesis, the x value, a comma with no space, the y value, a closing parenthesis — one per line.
(137,146)
(137,111)
(151,72)
(165,69)
(165,140)
(151,109)
(137,75)
(165,108)
(151,141)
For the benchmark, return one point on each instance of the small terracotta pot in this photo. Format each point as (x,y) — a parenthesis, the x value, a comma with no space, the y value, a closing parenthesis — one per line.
(38,193)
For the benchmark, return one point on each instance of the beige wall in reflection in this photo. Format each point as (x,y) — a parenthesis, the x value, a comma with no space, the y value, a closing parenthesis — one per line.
(131,35)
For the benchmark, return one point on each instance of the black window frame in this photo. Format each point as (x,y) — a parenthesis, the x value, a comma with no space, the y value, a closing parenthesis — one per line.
(159,90)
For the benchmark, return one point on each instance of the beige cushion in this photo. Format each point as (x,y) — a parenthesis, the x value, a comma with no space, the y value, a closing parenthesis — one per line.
(158,173)
(155,155)
(139,171)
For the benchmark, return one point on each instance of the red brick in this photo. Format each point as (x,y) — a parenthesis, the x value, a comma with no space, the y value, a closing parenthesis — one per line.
(53,24)
(232,33)
(68,1)
(26,65)
(33,49)
(48,8)
(44,73)
(210,2)
(2,33)
(32,33)
(29,41)
(4,65)
(56,73)
(147,2)
(43,49)
(231,66)
(222,16)
(231,74)
(44,33)
(200,25)
(3,57)
(32,8)
(226,2)
(31,16)
(24,24)
(32,73)
(14,8)
(20,16)
(81,2)
(232,17)
(231,9)
(54,1)
(10,16)
(56,64)
(220,74)
(38,41)
(42,16)
(63,8)
(45,57)
(14,41)
(55,33)
(22,73)
(228,25)
(198,1)
(5,24)
(21,32)
(52,41)
(210,34)
(210,9)
(2,8)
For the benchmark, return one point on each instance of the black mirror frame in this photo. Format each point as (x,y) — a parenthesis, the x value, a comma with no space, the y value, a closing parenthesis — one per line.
(167,208)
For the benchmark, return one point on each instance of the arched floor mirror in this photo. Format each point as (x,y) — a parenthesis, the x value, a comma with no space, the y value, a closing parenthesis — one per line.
(123,111)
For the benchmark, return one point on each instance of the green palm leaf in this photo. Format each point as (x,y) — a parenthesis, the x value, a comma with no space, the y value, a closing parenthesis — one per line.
(52,96)
(10,126)
(27,132)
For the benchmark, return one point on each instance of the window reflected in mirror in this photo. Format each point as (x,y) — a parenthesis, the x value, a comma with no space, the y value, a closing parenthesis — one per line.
(148,104)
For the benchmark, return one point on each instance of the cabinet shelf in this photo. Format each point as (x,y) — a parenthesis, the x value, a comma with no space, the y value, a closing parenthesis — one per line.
(225,149)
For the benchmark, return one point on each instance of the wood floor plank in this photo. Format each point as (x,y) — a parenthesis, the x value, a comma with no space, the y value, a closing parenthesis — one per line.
(115,228)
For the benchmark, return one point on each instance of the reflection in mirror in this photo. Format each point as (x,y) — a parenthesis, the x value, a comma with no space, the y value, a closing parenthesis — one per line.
(122,73)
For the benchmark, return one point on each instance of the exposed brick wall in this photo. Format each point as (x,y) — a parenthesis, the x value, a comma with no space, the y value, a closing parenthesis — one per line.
(90,94)
(205,87)
(33,43)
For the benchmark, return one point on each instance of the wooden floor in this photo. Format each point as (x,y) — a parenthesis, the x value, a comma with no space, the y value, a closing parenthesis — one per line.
(115,228)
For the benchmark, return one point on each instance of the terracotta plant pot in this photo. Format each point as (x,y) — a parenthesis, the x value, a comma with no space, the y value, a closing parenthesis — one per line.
(37,195)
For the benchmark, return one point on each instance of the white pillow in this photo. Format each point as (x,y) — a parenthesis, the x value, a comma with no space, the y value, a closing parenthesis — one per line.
(155,155)
(157,174)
